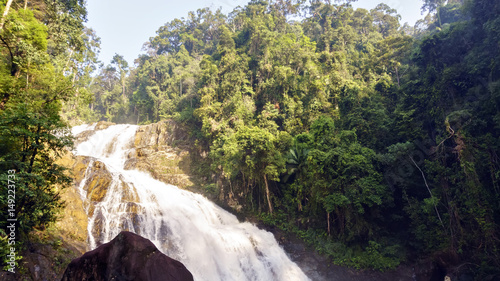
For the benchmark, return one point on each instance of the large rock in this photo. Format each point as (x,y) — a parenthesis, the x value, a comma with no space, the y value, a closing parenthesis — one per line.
(73,222)
(127,257)
(162,151)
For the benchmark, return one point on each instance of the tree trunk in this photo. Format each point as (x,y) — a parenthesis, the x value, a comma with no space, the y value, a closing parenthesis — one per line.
(328,221)
(268,196)
(5,99)
(439,16)
(123,89)
(35,149)
(397,76)
(5,13)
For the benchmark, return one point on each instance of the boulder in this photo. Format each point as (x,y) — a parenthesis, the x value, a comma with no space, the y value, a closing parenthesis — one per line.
(127,257)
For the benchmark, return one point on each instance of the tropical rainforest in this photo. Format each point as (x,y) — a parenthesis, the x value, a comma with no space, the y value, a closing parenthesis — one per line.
(377,143)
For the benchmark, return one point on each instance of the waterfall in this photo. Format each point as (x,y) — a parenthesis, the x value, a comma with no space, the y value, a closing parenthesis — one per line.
(209,241)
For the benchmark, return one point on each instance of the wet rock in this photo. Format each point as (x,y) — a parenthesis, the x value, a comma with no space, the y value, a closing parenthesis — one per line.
(74,220)
(98,182)
(72,225)
(129,194)
(79,168)
(98,227)
(83,136)
(127,257)
(101,125)
(161,151)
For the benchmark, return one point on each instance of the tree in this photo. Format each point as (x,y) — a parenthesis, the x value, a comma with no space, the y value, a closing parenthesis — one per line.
(392,52)
(33,137)
(297,164)
(259,156)
(5,13)
(386,19)
(122,66)
(436,5)
(24,47)
(35,79)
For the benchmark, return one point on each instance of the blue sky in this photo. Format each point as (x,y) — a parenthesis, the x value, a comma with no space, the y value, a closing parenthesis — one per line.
(125,25)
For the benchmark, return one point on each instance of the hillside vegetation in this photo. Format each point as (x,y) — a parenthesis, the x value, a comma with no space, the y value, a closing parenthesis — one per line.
(376,142)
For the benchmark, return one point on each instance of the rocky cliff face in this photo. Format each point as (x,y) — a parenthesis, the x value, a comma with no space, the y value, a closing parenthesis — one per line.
(161,151)
(127,257)
(157,149)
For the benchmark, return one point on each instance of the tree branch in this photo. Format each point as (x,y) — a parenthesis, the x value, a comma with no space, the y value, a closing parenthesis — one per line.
(425,181)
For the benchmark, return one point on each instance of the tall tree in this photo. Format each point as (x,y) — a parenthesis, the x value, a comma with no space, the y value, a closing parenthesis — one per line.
(35,80)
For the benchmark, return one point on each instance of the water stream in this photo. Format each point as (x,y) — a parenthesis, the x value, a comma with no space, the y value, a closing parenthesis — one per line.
(209,241)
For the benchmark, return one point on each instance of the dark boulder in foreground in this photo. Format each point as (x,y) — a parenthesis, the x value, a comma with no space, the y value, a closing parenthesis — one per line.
(127,257)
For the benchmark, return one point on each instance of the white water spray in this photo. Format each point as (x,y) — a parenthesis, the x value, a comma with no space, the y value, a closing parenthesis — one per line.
(209,241)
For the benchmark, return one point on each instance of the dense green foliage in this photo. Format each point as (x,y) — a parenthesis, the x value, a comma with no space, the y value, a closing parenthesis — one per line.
(373,141)
(44,57)
(376,142)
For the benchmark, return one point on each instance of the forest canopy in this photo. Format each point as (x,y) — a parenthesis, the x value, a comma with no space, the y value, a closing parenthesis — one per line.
(377,142)
(374,141)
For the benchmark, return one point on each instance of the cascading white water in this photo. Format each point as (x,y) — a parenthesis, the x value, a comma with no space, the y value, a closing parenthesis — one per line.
(209,241)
